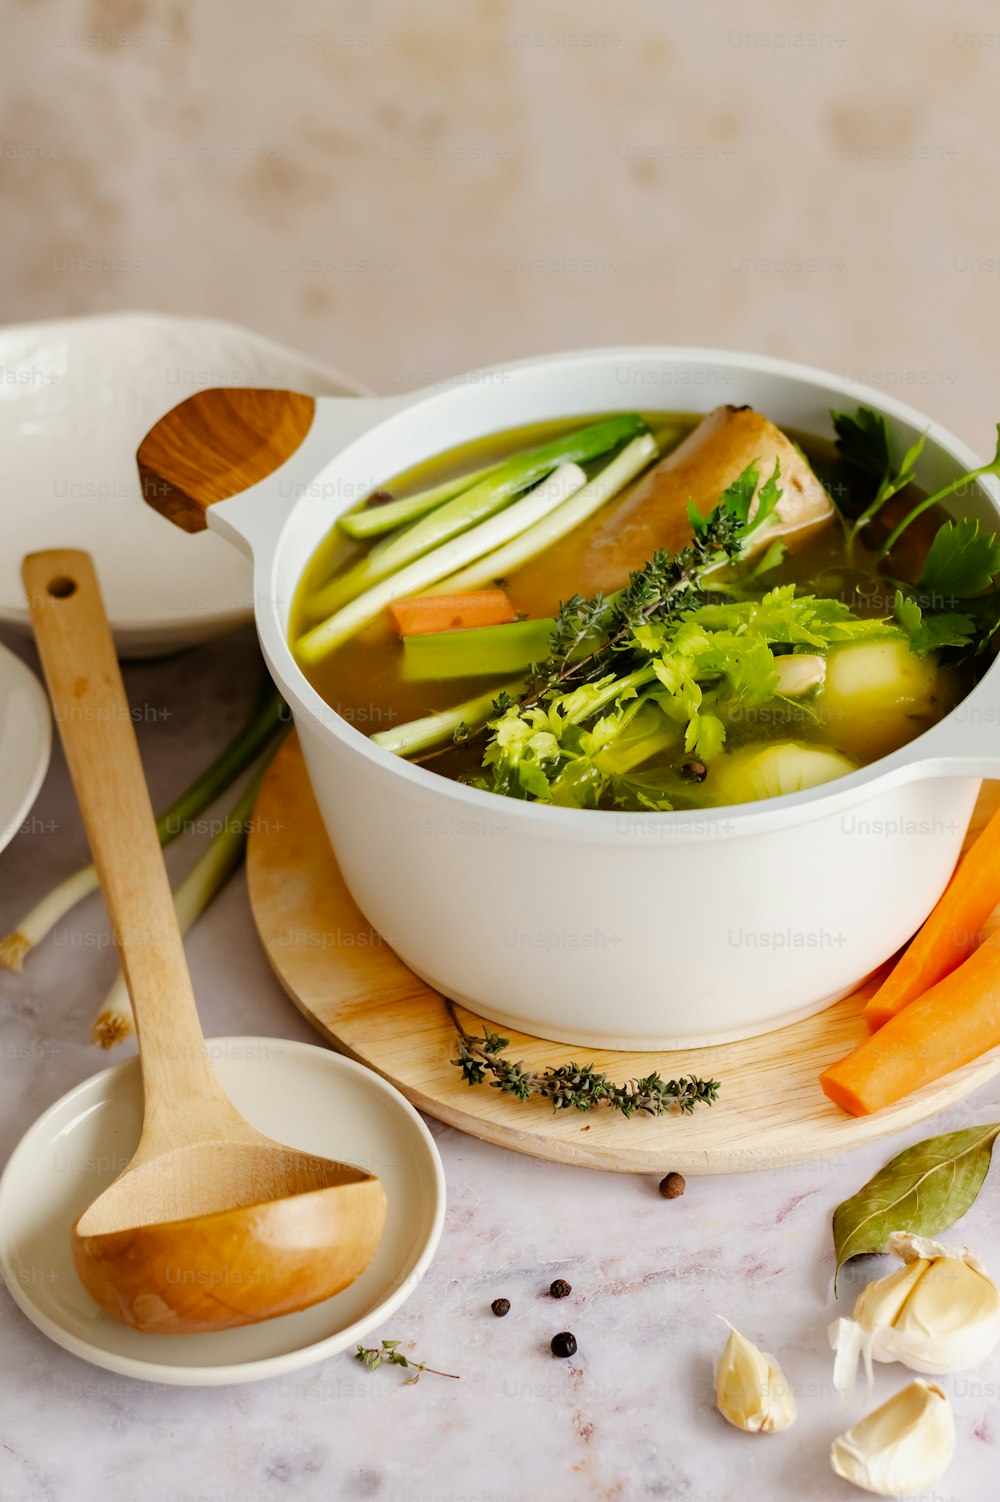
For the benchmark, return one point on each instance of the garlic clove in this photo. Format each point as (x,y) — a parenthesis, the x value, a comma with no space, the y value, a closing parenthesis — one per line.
(940,1312)
(882,1301)
(954,1319)
(751,1390)
(904,1446)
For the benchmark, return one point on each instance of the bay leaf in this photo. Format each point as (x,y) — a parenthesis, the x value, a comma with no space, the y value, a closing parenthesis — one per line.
(923,1189)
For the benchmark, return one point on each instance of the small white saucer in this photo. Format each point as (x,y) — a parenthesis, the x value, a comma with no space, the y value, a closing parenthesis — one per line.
(25,742)
(299,1093)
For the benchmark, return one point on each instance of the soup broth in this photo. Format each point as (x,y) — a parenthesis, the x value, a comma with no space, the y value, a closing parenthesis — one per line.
(363,678)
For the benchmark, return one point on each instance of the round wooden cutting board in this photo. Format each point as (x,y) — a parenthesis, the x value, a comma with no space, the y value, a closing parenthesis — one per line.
(363,999)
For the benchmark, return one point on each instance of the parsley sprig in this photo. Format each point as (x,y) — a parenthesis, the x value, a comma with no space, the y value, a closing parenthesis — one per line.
(863,442)
(955,603)
(577,1087)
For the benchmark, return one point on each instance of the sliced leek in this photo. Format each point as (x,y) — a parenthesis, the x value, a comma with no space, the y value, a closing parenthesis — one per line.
(456,553)
(375,521)
(471,507)
(613,478)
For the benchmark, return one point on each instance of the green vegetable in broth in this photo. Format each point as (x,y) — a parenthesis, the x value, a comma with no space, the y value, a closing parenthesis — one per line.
(477,504)
(374,520)
(716,661)
(557,524)
(726,670)
(528,522)
(426,570)
(420,735)
(489,651)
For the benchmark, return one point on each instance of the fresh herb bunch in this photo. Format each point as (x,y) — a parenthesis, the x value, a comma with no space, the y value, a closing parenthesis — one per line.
(388,1351)
(863,442)
(668,585)
(583,746)
(955,603)
(574,1086)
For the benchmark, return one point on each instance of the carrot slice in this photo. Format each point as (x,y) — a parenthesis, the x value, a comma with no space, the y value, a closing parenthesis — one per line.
(951,932)
(952,1023)
(422,615)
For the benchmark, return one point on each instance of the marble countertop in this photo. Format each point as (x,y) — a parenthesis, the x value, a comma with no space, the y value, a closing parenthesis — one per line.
(630,1417)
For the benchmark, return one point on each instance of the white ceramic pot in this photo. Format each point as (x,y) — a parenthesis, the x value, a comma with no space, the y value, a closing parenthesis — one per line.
(614,930)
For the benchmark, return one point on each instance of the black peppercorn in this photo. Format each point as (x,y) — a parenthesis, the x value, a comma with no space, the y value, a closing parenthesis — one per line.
(673,1186)
(560,1288)
(500,1307)
(564,1344)
(695,770)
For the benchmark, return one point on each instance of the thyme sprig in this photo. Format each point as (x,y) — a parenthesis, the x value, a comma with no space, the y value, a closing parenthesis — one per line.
(578,1087)
(667,586)
(372,1358)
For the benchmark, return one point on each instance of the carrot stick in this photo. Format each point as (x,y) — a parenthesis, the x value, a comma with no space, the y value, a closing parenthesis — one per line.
(951,932)
(423,614)
(953,1022)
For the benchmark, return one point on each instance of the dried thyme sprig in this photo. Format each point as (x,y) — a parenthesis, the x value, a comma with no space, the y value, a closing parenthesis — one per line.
(579,1087)
(372,1357)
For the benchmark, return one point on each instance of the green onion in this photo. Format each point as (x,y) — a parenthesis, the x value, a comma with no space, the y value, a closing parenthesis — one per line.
(453,554)
(474,506)
(486,651)
(373,521)
(613,478)
(202,884)
(432,730)
(237,756)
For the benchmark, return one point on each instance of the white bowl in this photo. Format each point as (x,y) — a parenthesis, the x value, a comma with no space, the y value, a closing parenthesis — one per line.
(614,930)
(25,742)
(76,396)
(295,1092)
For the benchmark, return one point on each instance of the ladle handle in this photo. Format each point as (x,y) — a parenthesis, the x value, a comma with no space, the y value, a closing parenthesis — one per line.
(95,725)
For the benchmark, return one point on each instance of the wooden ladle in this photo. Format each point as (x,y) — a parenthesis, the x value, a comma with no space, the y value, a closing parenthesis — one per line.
(212,1224)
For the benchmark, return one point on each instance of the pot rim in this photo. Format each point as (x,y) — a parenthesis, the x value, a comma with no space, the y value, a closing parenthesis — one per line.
(946,749)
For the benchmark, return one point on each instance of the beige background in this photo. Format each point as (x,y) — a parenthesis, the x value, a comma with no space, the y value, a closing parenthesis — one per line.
(409,190)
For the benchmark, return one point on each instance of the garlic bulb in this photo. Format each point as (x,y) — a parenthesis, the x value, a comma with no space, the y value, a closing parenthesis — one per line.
(751,1390)
(938,1313)
(905,1446)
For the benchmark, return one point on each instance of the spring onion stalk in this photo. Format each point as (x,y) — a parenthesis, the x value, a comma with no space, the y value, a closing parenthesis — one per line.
(473,507)
(486,651)
(202,884)
(499,565)
(237,756)
(374,521)
(452,555)
(434,729)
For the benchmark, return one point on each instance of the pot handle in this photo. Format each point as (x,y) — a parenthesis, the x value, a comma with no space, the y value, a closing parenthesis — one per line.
(216,444)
